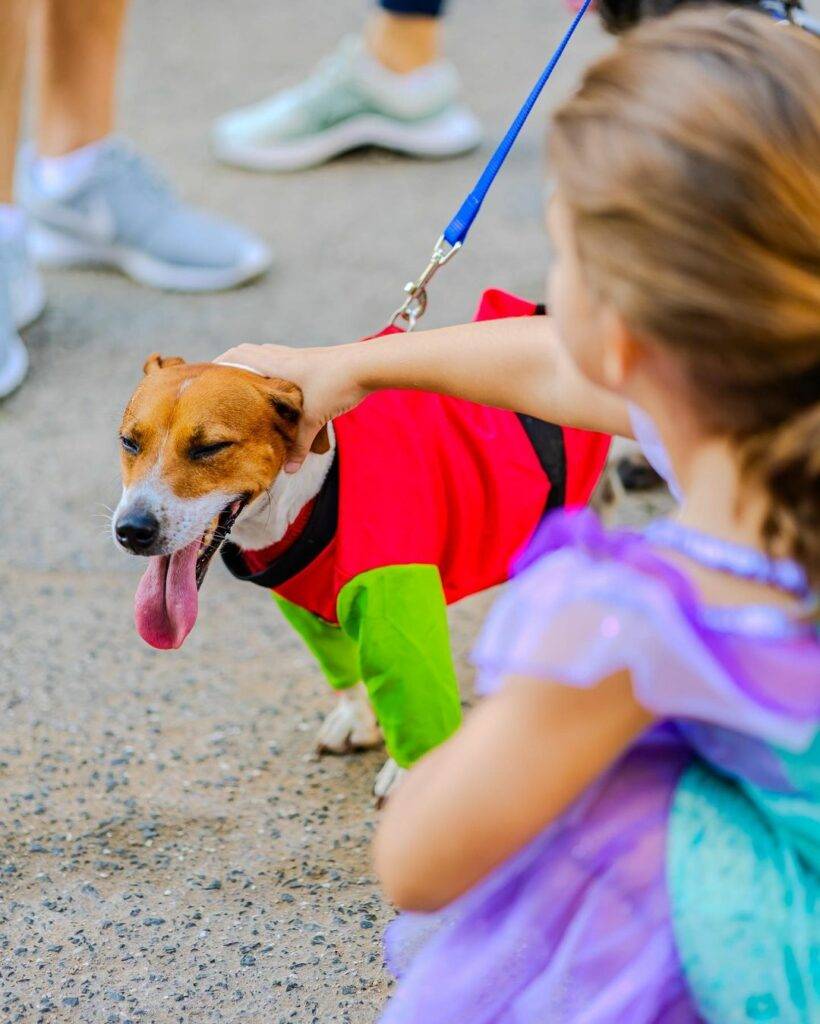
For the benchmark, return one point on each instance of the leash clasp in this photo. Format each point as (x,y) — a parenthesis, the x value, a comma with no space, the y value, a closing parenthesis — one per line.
(414,306)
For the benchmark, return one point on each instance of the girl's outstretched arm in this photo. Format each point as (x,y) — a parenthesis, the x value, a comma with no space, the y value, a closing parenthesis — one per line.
(519,761)
(518,363)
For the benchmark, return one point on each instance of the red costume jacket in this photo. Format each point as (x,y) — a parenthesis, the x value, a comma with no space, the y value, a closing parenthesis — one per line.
(423,479)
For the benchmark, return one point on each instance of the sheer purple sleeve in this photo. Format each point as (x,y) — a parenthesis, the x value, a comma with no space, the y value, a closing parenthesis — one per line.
(575,617)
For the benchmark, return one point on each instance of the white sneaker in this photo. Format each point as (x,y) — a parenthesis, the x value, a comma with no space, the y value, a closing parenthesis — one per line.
(348,102)
(26,294)
(13,354)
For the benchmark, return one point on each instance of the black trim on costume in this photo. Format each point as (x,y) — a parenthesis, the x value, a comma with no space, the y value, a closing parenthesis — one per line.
(319,531)
(548,441)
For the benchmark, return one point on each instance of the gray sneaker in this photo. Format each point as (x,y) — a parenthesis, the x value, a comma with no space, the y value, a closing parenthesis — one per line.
(13,354)
(350,100)
(127,217)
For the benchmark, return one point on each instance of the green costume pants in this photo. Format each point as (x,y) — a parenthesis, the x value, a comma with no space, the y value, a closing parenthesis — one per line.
(393,637)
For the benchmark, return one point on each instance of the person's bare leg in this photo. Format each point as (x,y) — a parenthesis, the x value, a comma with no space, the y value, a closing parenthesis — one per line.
(13,26)
(403,42)
(79,50)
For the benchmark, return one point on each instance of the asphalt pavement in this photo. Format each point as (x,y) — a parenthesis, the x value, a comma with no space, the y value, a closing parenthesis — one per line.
(170,849)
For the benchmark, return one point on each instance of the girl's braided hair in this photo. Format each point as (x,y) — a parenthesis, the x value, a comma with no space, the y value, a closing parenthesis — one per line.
(620,15)
(690,161)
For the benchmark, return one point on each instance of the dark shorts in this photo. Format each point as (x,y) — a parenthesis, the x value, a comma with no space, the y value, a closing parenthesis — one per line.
(431,8)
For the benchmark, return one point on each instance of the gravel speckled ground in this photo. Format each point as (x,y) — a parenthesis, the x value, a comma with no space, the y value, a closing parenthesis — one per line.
(170,850)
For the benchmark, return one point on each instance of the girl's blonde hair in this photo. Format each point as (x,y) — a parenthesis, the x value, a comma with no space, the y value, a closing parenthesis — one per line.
(690,161)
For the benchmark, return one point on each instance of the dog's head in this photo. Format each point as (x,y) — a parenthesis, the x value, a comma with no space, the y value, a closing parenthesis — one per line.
(198,443)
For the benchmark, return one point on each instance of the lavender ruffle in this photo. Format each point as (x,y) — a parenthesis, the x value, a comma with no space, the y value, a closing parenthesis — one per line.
(587,603)
(576,927)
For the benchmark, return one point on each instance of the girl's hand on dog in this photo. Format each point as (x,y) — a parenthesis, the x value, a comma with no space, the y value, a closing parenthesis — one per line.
(326,377)
(516,363)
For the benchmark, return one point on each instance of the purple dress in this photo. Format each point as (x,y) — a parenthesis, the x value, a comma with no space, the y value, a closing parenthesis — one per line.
(599,920)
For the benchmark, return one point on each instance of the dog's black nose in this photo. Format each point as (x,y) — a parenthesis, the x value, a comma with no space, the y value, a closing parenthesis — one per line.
(137,530)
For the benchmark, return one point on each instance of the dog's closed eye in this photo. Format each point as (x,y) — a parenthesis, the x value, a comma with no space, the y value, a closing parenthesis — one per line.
(129,444)
(204,451)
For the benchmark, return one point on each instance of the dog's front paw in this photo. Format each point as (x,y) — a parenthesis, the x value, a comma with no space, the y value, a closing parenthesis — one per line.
(388,778)
(350,726)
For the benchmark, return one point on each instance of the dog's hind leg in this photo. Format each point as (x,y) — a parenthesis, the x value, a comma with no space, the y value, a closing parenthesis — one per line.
(398,617)
(390,775)
(351,725)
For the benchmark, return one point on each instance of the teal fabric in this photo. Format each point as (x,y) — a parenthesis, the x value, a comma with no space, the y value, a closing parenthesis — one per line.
(745,905)
(798,813)
(398,617)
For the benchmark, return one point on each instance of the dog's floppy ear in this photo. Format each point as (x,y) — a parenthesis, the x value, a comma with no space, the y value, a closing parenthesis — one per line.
(286,399)
(321,443)
(157,362)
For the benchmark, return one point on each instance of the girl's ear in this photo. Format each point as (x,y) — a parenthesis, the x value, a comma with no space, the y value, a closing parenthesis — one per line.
(621,352)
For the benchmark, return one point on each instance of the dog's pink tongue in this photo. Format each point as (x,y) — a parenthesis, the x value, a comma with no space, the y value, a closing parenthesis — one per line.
(166,603)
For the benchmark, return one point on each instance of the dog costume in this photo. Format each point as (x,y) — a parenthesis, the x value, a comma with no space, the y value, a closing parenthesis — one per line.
(429,499)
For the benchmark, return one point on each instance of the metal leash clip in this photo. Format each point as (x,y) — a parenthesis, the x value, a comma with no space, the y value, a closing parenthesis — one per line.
(413,307)
(791,12)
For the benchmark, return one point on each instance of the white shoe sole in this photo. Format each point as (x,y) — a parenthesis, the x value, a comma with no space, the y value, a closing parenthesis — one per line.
(13,371)
(53,249)
(29,301)
(454,132)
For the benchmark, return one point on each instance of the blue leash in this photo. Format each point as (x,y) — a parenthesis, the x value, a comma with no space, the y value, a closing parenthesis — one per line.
(790,12)
(455,234)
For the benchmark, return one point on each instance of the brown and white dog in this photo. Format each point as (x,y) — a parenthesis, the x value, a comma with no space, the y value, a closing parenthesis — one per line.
(184,486)
(202,448)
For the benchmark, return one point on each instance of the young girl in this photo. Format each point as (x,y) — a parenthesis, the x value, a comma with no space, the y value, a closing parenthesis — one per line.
(516,363)
(628,829)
